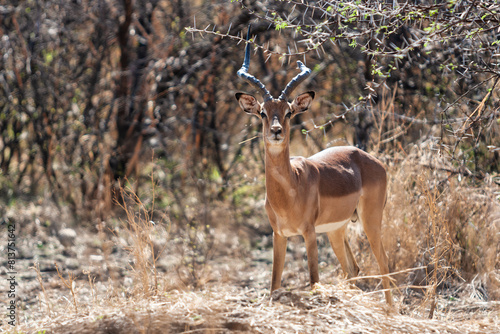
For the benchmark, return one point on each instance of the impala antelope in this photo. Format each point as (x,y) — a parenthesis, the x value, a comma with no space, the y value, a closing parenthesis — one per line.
(319,194)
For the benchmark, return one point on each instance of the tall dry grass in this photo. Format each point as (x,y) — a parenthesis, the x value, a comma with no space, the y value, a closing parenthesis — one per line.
(145,239)
(437,219)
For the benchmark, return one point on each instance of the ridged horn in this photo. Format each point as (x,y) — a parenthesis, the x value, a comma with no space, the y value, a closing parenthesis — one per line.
(304,72)
(243,72)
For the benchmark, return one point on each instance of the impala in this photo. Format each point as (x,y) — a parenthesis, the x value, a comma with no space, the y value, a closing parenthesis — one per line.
(319,194)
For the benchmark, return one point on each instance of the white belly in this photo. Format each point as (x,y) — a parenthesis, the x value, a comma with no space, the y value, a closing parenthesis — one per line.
(323,228)
(330,226)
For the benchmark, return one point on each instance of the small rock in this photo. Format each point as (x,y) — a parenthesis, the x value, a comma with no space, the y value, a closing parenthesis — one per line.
(67,237)
(96,258)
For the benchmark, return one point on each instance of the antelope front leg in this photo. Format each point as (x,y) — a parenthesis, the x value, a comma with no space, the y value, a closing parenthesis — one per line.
(312,255)
(279,252)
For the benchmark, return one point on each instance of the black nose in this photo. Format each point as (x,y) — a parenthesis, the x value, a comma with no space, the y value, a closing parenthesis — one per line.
(276,129)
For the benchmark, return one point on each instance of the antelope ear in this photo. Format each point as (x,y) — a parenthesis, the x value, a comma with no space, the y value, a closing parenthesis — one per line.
(248,103)
(302,102)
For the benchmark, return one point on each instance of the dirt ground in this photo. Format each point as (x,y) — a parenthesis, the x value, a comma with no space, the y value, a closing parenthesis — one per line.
(232,293)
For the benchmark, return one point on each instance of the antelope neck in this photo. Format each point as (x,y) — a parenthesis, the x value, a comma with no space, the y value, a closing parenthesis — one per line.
(279,173)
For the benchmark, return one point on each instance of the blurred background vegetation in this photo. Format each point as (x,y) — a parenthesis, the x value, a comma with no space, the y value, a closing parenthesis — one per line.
(97,96)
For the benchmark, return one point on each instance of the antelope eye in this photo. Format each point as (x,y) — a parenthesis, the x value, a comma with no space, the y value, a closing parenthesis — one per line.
(288,114)
(263,115)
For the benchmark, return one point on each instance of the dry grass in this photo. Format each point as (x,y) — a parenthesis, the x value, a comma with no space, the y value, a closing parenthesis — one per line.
(142,234)
(441,234)
(435,219)
(224,308)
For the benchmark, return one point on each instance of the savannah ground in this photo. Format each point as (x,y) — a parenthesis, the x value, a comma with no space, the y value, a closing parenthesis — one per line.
(132,186)
(216,278)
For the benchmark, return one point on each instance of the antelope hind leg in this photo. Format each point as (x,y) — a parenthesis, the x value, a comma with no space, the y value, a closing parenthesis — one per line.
(343,252)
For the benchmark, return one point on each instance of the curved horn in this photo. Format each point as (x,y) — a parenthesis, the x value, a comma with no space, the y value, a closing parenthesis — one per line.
(304,72)
(243,72)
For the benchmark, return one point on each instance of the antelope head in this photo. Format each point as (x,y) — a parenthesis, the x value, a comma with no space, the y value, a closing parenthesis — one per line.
(275,114)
